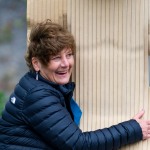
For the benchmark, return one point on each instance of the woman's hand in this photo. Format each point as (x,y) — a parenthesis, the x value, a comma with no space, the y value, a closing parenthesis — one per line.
(145,124)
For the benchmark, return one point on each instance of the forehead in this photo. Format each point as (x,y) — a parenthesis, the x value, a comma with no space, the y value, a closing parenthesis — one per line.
(65,50)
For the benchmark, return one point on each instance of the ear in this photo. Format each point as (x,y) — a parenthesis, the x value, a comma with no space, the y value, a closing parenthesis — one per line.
(36,64)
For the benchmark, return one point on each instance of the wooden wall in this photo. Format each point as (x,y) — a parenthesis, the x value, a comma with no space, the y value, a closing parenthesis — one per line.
(111,70)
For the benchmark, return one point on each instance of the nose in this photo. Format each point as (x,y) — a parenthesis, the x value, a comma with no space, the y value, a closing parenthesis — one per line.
(64,62)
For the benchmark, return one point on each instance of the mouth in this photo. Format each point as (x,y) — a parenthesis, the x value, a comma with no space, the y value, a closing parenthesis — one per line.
(61,72)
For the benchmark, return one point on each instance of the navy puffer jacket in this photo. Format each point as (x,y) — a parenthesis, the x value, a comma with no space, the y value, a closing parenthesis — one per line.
(38,117)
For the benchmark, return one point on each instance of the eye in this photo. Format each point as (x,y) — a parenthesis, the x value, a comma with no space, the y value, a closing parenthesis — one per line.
(69,55)
(56,58)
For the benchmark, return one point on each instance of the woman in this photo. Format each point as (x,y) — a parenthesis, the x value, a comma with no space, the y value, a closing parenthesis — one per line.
(41,113)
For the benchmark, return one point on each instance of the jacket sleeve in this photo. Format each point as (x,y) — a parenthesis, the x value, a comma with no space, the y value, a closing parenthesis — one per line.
(49,119)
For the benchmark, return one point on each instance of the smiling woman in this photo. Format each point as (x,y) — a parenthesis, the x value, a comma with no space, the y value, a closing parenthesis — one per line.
(41,113)
(59,67)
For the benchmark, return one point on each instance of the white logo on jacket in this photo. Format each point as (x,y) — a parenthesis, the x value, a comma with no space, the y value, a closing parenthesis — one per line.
(13,100)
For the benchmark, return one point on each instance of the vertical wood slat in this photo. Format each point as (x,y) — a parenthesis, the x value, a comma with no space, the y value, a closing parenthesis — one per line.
(137,43)
(115,59)
(98,61)
(124,66)
(89,62)
(107,59)
(85,63)
(111,70)
(111,61)
(133,55)
(128,36)
(141,67)
(94,62)
(102,67)
(120,56)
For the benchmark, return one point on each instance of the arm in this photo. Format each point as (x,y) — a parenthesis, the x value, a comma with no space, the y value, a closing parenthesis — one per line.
(53,123)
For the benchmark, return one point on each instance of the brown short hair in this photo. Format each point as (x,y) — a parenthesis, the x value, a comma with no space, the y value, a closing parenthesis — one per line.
(47,39)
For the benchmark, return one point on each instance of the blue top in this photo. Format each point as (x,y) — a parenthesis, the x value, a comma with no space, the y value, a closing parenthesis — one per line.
(77,113)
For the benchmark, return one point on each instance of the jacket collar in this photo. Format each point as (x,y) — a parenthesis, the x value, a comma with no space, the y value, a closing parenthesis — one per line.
(64,89)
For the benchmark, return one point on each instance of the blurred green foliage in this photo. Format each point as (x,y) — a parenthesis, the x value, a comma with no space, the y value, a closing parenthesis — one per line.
(2,101)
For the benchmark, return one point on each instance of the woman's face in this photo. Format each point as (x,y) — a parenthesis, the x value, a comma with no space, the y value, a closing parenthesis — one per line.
(59,68)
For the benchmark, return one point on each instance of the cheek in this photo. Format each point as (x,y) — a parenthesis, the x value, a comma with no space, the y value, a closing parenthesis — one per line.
(53,66)
(72,62)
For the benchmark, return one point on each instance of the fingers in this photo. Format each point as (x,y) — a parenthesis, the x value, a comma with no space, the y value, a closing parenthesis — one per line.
(146,135)
(139,115)
(145,126)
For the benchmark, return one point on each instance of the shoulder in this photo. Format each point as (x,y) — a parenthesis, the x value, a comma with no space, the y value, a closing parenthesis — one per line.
(29,91)
(28,86)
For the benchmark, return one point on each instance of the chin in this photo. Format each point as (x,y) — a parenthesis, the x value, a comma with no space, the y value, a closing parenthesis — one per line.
(63,82)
